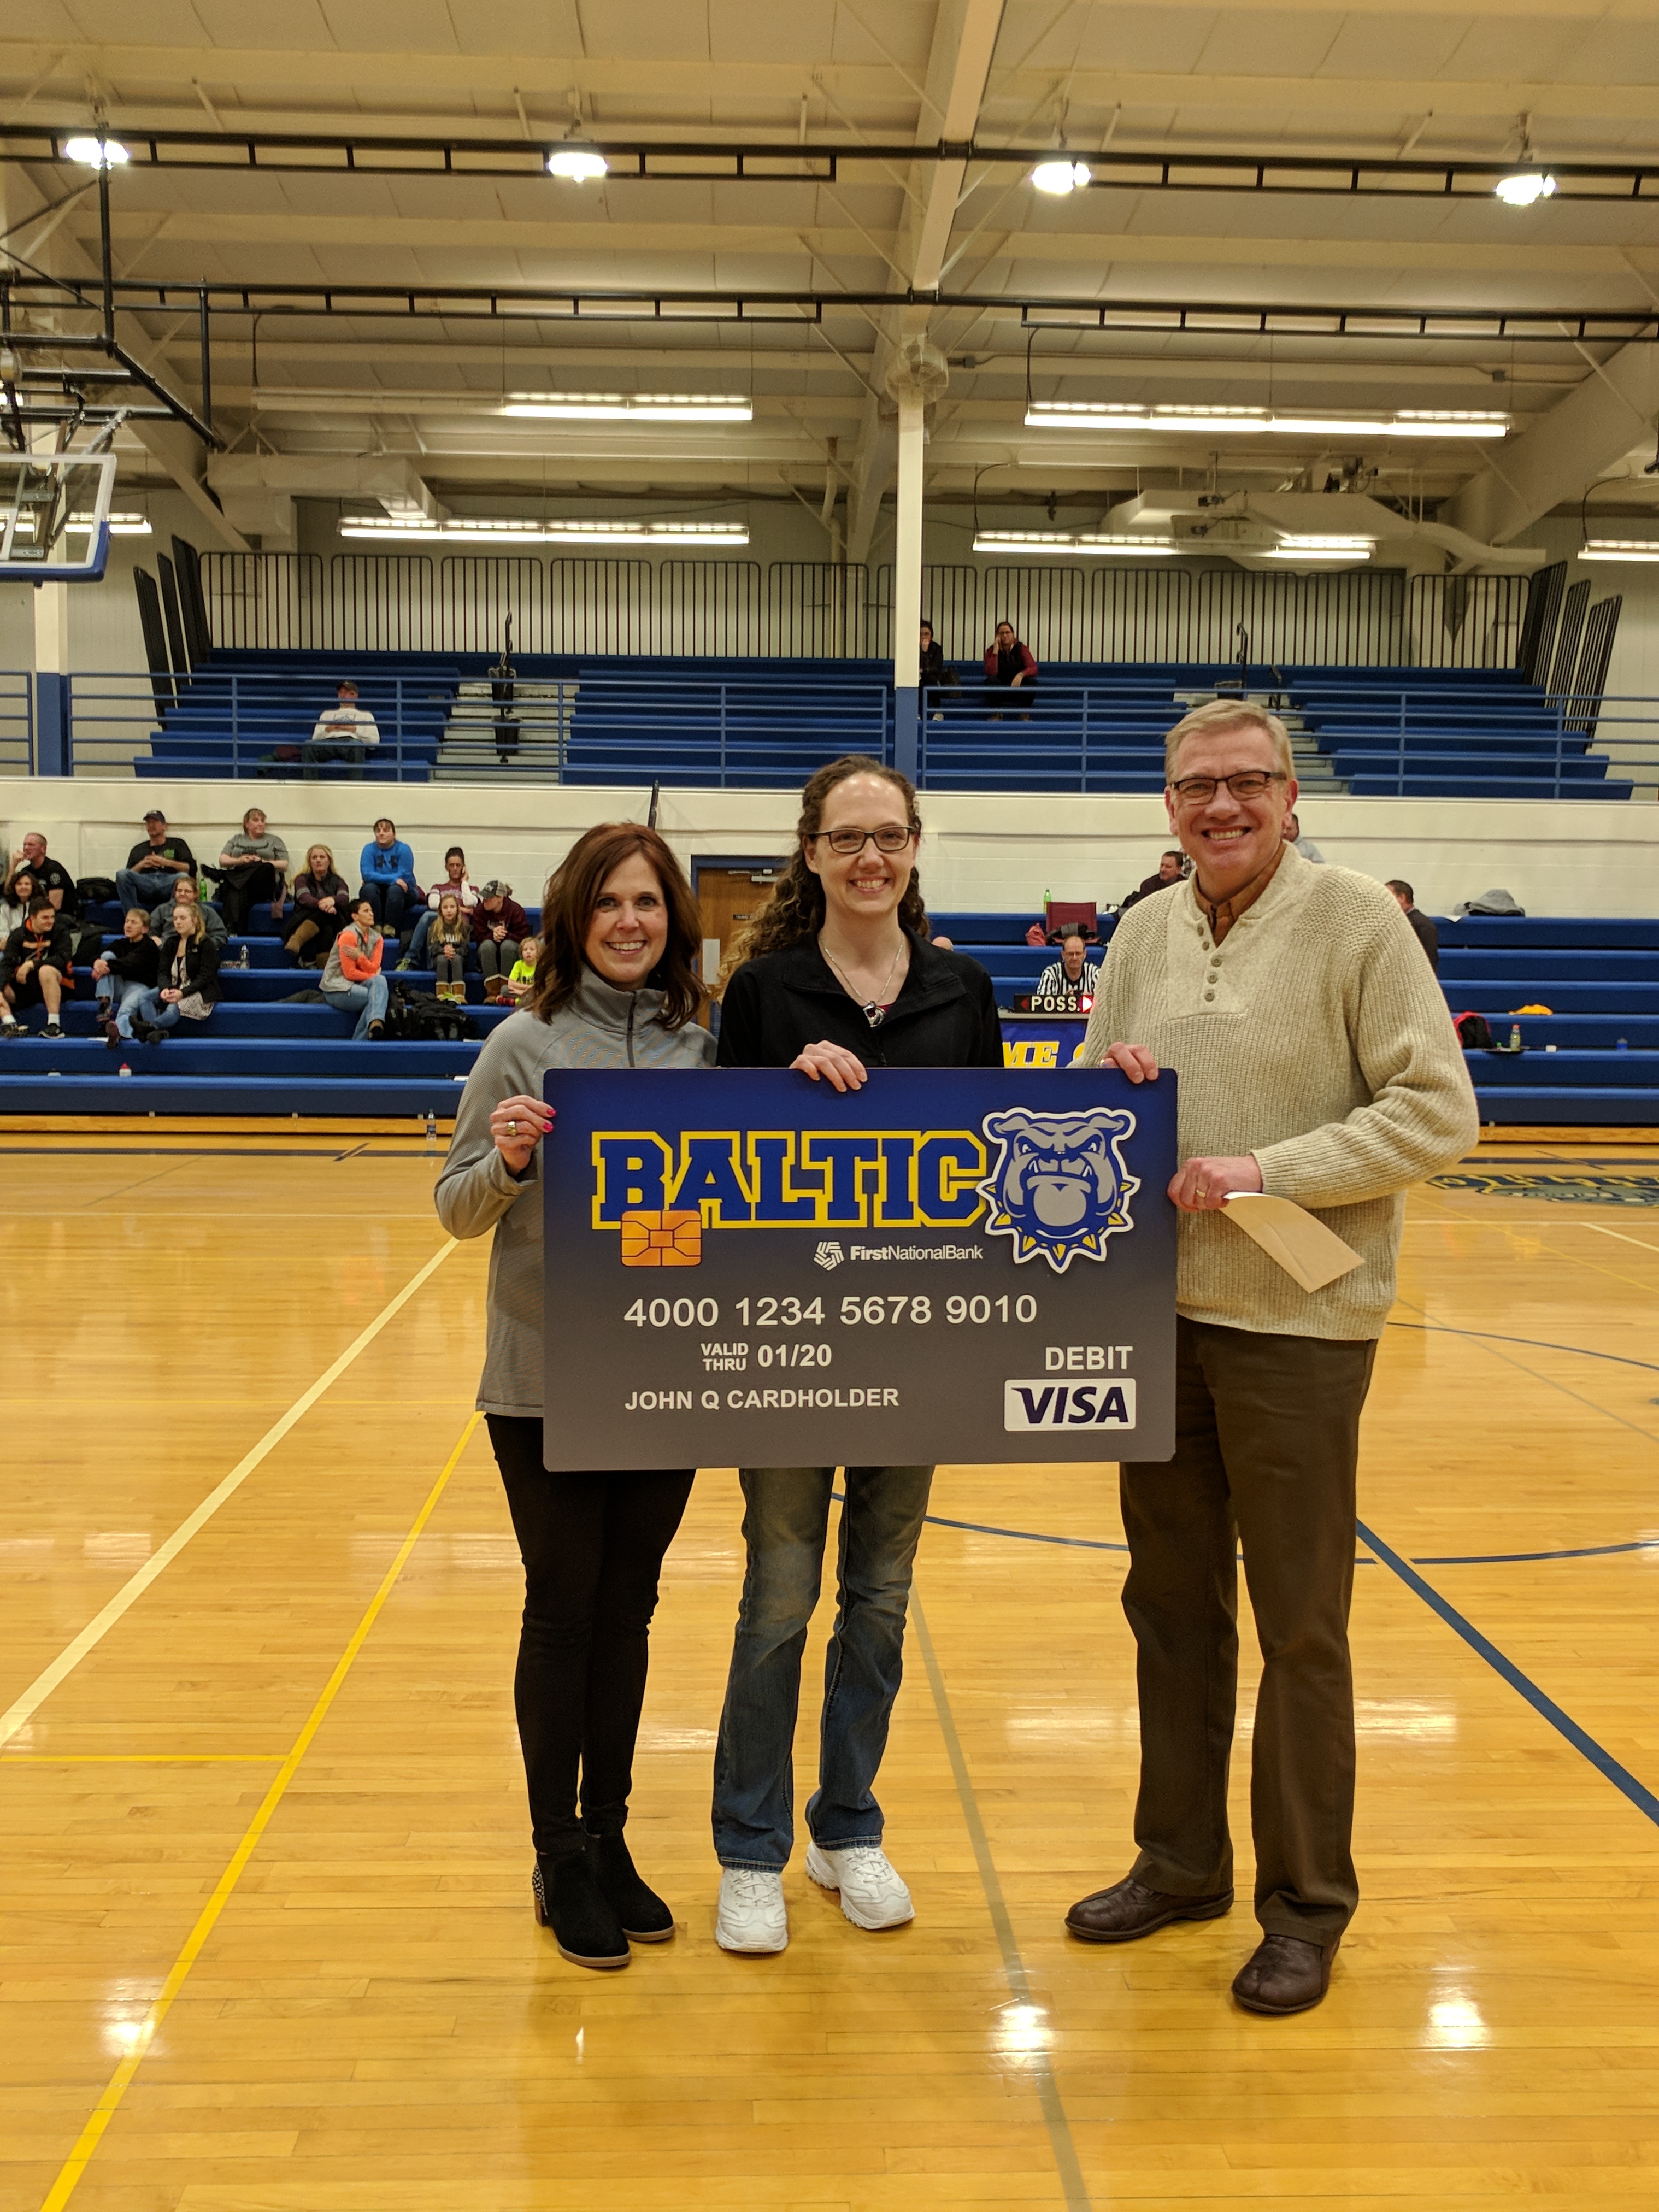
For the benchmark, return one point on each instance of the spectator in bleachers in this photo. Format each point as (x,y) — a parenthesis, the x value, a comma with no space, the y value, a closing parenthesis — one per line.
(388,876)
(1305,846)
(51,880)
(342,733)
(255,864)
(933,675)
(186,892)
(17,896)
(499,925)
(1072,974)
(322,900)
(1010,665)
(352,980)
(1424,931)
(519,983)
(448,944)
(121,976)
(37,968)
(454,879)
(188,989)
(1171,869)
(152,866)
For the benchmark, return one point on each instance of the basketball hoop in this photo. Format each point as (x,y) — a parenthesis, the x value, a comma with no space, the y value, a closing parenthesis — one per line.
(54,517)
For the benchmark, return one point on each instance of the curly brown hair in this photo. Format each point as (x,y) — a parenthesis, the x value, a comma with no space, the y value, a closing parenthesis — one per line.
(568,904)
(795,909)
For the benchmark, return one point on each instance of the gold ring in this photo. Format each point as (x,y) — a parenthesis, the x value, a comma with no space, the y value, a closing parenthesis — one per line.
(511,1128)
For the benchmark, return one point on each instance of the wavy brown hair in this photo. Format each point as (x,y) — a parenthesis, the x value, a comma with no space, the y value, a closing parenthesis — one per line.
(572,898)
(795,909)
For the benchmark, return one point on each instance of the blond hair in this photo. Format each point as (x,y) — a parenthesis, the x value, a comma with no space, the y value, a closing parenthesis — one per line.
(327,855)
(1230,714)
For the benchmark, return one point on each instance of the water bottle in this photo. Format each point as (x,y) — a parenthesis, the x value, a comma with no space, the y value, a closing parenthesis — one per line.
(1515,1037)
(124,1069)
(431,1132)
(244,961)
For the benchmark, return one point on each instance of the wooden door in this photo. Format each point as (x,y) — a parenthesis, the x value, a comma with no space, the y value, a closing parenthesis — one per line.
(728,898)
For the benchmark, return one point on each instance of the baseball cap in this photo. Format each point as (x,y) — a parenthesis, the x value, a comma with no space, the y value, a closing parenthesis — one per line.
(153,814)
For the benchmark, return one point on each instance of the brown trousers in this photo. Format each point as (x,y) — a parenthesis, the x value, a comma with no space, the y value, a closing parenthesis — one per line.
(1266,1437)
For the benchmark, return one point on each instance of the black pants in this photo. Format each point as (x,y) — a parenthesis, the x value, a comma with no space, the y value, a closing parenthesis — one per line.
(244,888)
(388,899)
(1266,1437)
(592,1545)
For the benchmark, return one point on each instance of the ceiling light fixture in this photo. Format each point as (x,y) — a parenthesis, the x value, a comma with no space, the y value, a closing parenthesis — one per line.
(1620,548)
(577,165)
(630,406)
(1297,549)
(120,525)
(1060,177)
(504,530)
(97,153)
(1524,188)
(1058,541)
(1255,422)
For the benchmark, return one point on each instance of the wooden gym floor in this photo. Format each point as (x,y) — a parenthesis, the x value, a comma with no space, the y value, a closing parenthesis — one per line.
(266,1915)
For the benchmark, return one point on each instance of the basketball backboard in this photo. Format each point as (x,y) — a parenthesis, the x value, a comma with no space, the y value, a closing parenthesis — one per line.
(54,516)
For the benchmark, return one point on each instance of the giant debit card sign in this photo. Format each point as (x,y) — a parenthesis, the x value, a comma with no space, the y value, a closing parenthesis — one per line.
(745,1268)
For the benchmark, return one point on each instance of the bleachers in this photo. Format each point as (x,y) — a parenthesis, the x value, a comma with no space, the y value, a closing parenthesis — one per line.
(1594,1059)
(765,724)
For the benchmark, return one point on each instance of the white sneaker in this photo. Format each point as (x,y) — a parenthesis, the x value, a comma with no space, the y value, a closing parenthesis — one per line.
(752,1915)
(872,1893)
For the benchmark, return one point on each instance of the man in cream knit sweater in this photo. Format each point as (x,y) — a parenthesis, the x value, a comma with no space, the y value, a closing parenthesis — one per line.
(1317,1062)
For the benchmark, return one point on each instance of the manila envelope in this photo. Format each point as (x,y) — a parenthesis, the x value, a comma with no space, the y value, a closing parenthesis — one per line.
(1310,1254)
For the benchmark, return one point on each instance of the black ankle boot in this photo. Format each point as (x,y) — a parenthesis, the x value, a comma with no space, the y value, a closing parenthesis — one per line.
(644,1917)
(569,1901)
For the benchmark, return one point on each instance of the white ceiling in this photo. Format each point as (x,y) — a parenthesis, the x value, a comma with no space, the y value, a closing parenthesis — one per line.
(1416,76)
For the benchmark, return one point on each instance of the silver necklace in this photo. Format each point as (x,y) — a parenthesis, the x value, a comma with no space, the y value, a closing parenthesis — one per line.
(871,1009)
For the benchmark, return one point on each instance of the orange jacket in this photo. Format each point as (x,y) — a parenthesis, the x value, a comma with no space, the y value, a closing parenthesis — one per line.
(358,963)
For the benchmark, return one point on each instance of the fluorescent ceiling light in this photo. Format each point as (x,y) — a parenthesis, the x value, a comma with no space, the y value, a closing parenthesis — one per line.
(511,531)
(1060,176)
(1300,550)
(97,153)
(120,525)
(1255,422)
(578,165)
(1620,549)
(630,406)
(1058,541)
(1524,187)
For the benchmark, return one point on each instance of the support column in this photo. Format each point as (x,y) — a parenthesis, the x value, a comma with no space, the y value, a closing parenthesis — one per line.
(52,747)
(907,584)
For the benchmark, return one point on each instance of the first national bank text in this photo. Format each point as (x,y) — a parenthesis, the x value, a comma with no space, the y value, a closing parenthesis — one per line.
(791,1179)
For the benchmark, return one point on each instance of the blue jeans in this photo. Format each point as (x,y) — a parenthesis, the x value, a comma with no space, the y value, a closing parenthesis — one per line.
(370,996)
(145,887)
(126,999)
(388,901)
(785,1523)
(161,1013)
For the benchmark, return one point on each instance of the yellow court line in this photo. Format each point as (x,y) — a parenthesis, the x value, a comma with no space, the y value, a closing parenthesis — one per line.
(109,2104)
(24,1708)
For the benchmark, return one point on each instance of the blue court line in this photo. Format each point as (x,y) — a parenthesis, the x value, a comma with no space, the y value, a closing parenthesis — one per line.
(1620,1776)
(1026,1535)
(1511,1559)
(1538,1343)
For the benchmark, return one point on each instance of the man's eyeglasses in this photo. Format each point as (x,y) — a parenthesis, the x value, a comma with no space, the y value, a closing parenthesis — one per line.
(1243,783)
(890,838)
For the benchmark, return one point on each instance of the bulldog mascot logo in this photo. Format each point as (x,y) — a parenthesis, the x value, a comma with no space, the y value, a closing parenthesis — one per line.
(1060,1187)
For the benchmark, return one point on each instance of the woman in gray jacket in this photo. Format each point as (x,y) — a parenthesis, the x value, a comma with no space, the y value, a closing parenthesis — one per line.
(615,988)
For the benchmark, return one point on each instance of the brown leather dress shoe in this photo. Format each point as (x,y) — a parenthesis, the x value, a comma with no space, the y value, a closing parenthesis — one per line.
(1128,1909)
(1285,1974)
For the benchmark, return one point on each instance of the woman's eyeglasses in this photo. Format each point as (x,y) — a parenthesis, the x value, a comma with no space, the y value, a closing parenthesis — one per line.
(890,838)
(1244,783)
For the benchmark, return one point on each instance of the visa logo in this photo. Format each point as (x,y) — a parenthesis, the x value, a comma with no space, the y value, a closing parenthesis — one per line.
(1050,1405)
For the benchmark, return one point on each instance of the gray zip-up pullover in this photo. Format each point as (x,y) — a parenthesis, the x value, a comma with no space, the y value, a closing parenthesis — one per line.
(599,1028)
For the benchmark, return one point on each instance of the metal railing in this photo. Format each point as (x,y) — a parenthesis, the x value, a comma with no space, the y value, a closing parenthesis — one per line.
(17,750)
(1160,614)
(245,725)
(1384,740)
